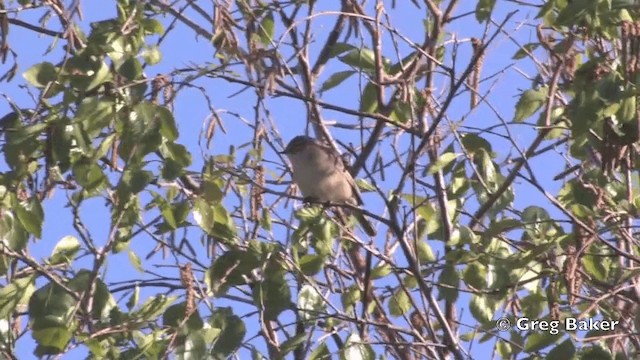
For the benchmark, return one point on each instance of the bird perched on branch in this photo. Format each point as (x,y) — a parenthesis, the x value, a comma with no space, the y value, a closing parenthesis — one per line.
(321,175)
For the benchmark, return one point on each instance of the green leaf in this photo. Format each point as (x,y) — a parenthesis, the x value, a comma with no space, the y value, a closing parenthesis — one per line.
(136,180)
(530,102)
(131,69)
(272,296)
(230,269)
(104,147)
(534,303)
(537,341)
(152,26)
(402,64)
(565,350)
(31,216)
(265,219)
(340,48)
(180,211)
(499,227)
(410,282)
(93,115)
(311,264)
(175,316)
(488,171)
(368,101)
(50,317)
(101,76)
(476,275)
(22,149)
(381,270)
(481,309)
(428,212)
(356,349)
(134,298)
(504,349)
(484,9)
(152,55)
(96,348)
(534,214)
(323,232)
(350,296)
(627,112)
(166,211)
(194,347)
(536,222)
(152,308)
(224,226)
(582,211)
(399,303)
(362,59)
(211,190)
(65,250)
(89,175)
(40,75)
(336,79)
(365,186)
(177,158)
(169,131)
(15,293)
(444,160)
(475,144)
(103,301)
(11,232)
(203,213)
(135,261)
(150,114)
(151,344)
(310,303)
(595,353)
(525,50)
(425,253)
(449,276)
(401,113)
(51,340)
(576,11)
(232,331)
(594,266)
(210,334)
(546,11)
(266,29)
(320,353)
(292,343)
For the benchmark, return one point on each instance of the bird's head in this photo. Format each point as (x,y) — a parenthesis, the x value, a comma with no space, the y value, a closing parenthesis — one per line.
(297,144)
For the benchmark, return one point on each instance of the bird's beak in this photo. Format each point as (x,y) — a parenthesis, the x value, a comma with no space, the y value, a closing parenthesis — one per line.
(286,151)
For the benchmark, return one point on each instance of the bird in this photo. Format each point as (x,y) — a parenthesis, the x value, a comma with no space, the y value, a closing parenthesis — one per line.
(321,175)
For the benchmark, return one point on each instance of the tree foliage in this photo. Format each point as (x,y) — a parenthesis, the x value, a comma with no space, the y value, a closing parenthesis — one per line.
(193,245)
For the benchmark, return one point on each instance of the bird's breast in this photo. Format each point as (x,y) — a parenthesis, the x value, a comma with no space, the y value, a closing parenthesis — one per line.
(320,179)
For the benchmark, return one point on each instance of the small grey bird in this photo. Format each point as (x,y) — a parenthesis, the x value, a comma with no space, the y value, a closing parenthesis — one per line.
(321,175)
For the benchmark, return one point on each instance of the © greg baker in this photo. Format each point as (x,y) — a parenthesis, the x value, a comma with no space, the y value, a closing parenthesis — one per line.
(570,324)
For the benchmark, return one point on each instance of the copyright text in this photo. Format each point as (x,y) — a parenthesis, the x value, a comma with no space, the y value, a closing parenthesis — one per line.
(553,327)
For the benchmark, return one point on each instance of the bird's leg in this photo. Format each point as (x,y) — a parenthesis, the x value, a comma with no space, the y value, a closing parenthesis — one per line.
(309,201)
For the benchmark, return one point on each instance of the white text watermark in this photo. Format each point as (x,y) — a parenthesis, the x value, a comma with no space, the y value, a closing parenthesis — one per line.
(553,327)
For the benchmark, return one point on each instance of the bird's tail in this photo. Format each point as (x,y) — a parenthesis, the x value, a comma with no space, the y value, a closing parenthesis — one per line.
(364,223)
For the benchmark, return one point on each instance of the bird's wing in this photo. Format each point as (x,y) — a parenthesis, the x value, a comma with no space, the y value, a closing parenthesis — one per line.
(340,165)
(354,186)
